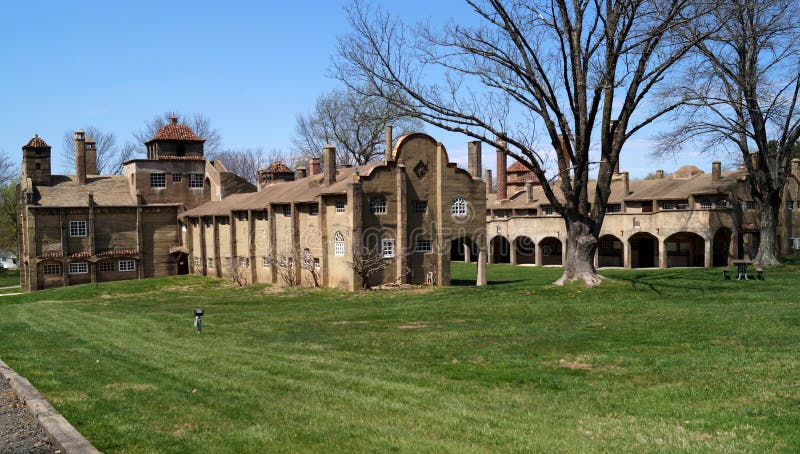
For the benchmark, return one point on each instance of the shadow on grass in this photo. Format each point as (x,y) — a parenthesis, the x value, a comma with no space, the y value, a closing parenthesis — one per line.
(471,282)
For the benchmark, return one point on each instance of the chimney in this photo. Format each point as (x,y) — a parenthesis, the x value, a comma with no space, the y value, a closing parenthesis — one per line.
(313,166)
(474,158)
(488,179)
(299,173)
(91,156)
(529,191)
(502,180)
(389,156)
(173,120)
(796,167)
(626,187)
(565,170)
(754,160)
(659,174)
(80,156)
(716,171)
(329,154)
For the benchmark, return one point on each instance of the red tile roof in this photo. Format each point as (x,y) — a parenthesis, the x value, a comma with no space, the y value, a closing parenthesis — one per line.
(278,167)
(115,252)
(175,131)
(180,158)
(36,142)
(518,167)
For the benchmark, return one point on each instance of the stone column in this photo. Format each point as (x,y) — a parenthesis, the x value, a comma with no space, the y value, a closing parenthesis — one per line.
(467,254)
(251,245)
(537,254)
(626,253)
(708,256)
(481,278)
(513,258)
(662,254)
(402,249)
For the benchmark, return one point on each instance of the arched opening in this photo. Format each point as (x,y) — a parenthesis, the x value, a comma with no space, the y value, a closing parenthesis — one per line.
(644,250)
(722,247)
(609,251)
(501,250)
(685,249)
(551,251)
(182,261)
(526,250)
(458,247)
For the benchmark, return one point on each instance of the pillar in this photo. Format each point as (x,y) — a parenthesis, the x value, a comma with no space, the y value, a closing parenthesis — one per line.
(467,253)
(537,254)
(662,254)
(481,278)
(707,253)
(513,246)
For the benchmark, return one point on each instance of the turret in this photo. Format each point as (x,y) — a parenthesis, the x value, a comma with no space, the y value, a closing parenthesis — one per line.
(36,161)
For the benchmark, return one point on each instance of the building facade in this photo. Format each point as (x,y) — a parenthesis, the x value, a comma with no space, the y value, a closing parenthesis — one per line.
(316,229)
(87,228)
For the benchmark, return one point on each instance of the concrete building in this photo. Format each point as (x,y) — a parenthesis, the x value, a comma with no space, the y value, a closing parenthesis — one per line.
(309,228)
(87,228)
(690,218)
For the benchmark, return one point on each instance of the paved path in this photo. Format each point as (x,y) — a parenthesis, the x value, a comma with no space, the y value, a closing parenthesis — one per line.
(19,431)
(10,286)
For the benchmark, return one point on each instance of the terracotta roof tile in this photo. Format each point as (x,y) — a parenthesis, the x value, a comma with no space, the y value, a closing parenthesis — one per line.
(162,157)
(518,167)
(117,252)
(175,131)
(278,167)
(36,142)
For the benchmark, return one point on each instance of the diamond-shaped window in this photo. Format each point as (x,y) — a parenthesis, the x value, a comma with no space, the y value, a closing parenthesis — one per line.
(421,169)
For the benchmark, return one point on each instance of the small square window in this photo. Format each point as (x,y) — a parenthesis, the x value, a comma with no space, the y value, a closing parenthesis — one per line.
(241,215)
(106,266)
(287,210)
(78,268)
(313,209)
(750,205)
(264,262)
(705,204)
(77,228)
(667,205)
(52,269)
(340,207)
(423,246)
(244,262)
(388,248)
(177,177)
(613,208)
(378,205)
(548,211)
(420,206)
(316,264)
(196,262)
(210,263)
(196,181)
(158,180)
(789,205)
(127,265)
(260,215)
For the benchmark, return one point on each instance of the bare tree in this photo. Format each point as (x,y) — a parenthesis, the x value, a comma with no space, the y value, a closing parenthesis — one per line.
(583,70)
(9,238)
(110,157)
(366,263)
(743,96)
(7,169)
(353,122)
(237,272)
(247,161)
(198,123)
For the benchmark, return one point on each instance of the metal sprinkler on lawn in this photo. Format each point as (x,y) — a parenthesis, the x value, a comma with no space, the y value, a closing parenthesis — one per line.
(198,320)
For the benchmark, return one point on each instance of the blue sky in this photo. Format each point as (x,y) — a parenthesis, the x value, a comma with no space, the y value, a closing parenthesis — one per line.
(250,67)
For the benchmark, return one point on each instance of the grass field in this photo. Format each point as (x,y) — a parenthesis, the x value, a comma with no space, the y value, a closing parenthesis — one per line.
(652,361)
(9,278)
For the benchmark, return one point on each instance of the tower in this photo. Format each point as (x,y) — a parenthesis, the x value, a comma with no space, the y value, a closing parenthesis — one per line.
(36,161)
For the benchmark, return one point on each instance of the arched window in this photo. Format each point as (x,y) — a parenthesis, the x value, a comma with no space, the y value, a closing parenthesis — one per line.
(338,244)
(458,209)
(378,205)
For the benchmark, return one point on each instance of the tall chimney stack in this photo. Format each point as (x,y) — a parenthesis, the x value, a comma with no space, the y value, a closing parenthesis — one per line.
(716,171)
(474,158)
(329,154)
(502,179)
(796,167)
(389,156)
(300,173)
(659,174)
(80,156)
(529,191)
(488,179)
(91,156)
(626,185)
(314,166)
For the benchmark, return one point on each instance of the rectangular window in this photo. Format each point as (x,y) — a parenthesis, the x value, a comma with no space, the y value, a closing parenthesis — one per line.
(196,262)
(614,208)
(264,262)
(127,265)
(705,204)
(667,205)
(106,266)
(158,180)
(388,248)
(226,263)
(210,263)
(500,213)
(340,207)
(196,180)
(338,248)
(260,215)
(287,210)
(682,205)
(177,177)
(316,264)
(241,215)
(750,205)
(721,203)
(789,205)
(313,210)
(52,269)
(78,268)
(423,246)
(420,206)
(532,212)
(77,228)
(244,262)
(548,211)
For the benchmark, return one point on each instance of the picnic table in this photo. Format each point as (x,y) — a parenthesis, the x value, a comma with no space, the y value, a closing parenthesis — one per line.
(741,266)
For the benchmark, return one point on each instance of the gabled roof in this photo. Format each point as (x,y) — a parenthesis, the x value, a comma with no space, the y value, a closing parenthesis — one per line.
(518,167)
(64,191)
(36,142)
(278,167)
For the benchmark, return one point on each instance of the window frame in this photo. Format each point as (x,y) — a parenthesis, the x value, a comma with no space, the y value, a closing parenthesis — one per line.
(78,266)
(420,206)
(423,246)
(459,208)
(48,268)
(378,205)
(126,266)
(338,244)
(196,180)
(177,177)
(340,207)
(76,227)
(158,180)
(106,266)
(387,248)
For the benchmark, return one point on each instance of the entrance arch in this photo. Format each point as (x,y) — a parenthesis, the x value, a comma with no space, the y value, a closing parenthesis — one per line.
(721,247)
(501,250)
(457,250)
(685,249)
(525,250)
(551,251)
(644,250)
(609,251)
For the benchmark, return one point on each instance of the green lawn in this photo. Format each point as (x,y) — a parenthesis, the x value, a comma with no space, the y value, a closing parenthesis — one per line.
(9,278)
(653,361)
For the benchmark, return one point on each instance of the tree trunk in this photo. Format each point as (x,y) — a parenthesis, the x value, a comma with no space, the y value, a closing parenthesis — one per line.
(768,246)
(581,246)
